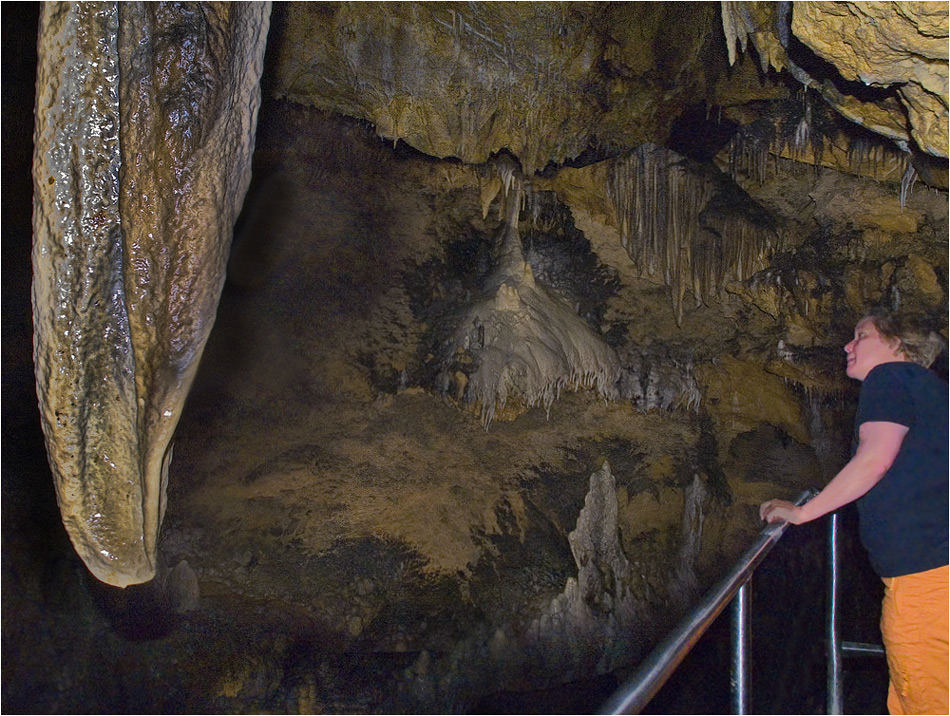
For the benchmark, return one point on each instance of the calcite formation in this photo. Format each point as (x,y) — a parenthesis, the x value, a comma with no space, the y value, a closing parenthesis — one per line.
(899,49)
(526,345)
(545,81)
(145,118)
(679,223)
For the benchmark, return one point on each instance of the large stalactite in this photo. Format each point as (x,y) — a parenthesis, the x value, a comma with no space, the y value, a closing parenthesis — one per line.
(145,119)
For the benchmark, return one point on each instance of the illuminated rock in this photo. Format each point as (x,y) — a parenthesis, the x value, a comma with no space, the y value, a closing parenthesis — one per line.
(542,80)
(145,118)
(899,44)
(893,45)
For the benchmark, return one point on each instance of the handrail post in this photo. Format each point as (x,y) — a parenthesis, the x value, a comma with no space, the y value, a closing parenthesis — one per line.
(636,692)
(833,647)
(739,680)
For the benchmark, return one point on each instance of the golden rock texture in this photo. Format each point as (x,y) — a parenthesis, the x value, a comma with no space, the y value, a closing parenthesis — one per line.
(543,80)
(145,120)
(739,395)
(900,45)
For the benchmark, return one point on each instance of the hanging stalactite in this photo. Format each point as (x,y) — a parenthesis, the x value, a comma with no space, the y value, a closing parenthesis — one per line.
(680,224)
(805,130)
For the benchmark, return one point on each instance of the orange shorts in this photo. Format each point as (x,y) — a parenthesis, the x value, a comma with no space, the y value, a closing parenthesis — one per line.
(914,624)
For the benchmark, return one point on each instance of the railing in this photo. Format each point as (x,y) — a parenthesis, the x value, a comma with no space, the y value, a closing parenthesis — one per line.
(636,692)
(836,648)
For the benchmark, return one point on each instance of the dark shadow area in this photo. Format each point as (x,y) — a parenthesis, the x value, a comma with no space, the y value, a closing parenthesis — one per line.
(787,660)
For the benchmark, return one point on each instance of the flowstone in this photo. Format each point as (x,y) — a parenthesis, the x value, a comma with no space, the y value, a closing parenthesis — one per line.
(526,344)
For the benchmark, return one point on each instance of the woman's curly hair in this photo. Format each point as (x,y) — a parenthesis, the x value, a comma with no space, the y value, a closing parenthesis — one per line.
(919,343)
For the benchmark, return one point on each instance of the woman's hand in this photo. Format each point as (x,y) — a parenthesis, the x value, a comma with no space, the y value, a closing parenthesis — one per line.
(780,510)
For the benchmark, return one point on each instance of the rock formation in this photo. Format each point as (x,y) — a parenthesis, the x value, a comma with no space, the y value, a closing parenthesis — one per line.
(144,134)
(625,233)
(524,344)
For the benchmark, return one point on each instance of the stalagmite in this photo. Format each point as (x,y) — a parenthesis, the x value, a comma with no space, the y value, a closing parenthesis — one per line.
(145,117)
(597,610)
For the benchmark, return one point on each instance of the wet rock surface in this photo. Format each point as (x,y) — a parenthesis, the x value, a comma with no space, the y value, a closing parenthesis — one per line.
(132,231)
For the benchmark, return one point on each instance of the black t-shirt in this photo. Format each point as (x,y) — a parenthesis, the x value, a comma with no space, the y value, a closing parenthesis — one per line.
(904,517)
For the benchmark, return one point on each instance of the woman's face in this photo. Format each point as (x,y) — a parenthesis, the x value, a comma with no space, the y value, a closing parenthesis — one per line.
(869,349)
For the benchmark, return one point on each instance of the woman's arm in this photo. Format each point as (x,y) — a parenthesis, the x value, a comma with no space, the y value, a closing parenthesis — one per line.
(878,445)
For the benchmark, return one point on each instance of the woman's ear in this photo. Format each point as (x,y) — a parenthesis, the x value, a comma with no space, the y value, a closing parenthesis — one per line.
(897,345)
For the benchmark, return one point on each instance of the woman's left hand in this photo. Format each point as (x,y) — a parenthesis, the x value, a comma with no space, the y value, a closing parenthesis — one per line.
(780,510)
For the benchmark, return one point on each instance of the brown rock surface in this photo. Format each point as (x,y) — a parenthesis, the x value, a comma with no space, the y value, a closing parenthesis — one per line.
(543,80)
(132,233)
(900,45)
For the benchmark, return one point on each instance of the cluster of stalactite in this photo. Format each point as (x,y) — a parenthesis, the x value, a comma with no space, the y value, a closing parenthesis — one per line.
(679,223)
(802,126)
(541,208)
(749,150)
(804,129)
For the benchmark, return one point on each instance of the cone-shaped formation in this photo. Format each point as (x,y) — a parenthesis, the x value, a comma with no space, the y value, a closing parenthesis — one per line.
(525,343)
(141,161)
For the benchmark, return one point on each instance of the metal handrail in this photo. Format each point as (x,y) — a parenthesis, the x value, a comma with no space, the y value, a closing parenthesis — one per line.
(634,694)
(835,648)
(833,704)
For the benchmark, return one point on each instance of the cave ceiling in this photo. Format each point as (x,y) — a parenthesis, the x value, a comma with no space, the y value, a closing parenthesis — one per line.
(503,273)
(551,83)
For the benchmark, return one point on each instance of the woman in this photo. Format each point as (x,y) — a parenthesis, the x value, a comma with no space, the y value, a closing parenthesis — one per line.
(899,476)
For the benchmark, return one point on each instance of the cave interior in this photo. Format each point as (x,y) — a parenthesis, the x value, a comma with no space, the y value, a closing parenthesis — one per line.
(525,309)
